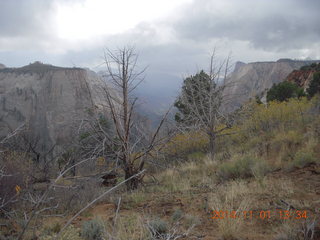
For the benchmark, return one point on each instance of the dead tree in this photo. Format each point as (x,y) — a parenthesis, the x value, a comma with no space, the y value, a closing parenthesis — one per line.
(130,143)
(201,100)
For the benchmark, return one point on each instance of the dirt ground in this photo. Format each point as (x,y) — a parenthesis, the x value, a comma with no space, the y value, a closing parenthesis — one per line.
(306,194)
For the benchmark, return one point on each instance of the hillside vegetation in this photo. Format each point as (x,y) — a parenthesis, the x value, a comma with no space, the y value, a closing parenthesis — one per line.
(268,161)
(263,182)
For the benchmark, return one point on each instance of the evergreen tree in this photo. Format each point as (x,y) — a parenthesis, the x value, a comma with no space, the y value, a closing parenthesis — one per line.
(314,86)
(200,102)
(194,90)
(283,91)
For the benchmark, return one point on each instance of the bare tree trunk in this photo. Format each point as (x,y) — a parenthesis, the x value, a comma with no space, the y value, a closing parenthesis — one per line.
(73,170)
(132,183)
(131,139)
(212,144)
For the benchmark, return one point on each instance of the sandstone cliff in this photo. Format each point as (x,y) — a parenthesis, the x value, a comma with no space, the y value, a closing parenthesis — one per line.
(249,80)
(304,75)
(50,100)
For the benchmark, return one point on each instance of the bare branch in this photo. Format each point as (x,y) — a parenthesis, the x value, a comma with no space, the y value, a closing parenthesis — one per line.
(94,201)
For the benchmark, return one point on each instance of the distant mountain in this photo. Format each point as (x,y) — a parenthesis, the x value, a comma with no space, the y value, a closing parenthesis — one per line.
(252,79)
(153,99)
(51,101)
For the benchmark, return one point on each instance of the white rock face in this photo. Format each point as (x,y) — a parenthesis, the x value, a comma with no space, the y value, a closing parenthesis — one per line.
(50,100)
(249,80)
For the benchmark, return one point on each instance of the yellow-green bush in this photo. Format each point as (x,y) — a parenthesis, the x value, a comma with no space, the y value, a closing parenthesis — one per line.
(242,167)
(71,233)
(303,158)
(276,130)
(236,169)
(183,144)
(278,116)
(273,133)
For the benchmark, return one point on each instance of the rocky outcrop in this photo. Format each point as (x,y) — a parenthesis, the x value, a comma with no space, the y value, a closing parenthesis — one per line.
(252,79)
(304,75)
(50,100)
(301,77)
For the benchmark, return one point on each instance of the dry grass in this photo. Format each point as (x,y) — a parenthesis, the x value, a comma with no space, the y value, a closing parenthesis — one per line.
(135,198)
(172,181)
(240,196)
(276,187)
(188,175)
(296,230)
(128,227)
(71,233)
(237,195)
(287,231)
(232,197)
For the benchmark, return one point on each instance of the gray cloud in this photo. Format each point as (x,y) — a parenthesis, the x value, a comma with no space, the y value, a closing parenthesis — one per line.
(25,18)
(29,25)
(254,30)
(270,25)
(286,26)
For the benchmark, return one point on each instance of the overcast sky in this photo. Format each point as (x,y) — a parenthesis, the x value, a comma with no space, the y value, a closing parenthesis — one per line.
(173,37)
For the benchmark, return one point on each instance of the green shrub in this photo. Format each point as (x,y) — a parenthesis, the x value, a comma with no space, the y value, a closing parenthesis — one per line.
(92,230)
(226,171)
(302,159)
(177,215)
(283,91)
(243,167)
(158,227)
(240,168)
(260,169)
(314,86)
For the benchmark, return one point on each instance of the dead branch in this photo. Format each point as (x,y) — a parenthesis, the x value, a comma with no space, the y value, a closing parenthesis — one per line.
(94,201)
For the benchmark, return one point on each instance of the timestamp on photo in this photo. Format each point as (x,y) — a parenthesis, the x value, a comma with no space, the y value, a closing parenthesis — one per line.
(260,214)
